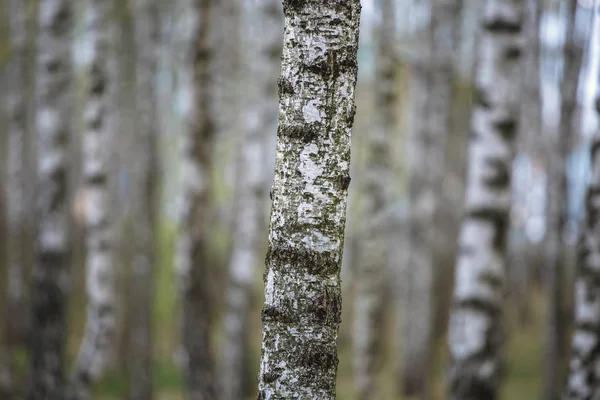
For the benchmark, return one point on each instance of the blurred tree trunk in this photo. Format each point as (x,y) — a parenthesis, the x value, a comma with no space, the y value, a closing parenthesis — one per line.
(17,113)
(262,56)
(302,310)
(145,190)
(558,152)
(96,348)
(433,75)
(197,151)
(530,143)
(51,271)
(584,376)
(475,328)
(372,256)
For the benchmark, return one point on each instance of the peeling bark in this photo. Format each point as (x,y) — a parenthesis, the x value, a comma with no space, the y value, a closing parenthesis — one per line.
(372,257)
(51,270)
(98,340)
(584,375)
(475,328)
(197,155)
(262,54)
(146,194)
(302,310)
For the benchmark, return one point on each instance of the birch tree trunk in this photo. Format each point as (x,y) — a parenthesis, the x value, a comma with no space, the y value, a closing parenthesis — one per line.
(376,185)
(144,188)
(475,328)
(433,83)
(51,270)
(302,310)
(97,345)
(557,204)
(262,55)
(584,376)
(15,190)
(193,261)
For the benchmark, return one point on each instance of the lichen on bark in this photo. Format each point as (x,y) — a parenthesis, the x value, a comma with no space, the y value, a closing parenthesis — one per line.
(302,308)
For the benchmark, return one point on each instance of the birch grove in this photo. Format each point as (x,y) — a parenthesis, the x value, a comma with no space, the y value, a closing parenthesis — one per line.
(302,307)
(475,331)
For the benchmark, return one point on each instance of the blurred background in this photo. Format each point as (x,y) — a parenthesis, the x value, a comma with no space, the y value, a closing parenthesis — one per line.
(245,39)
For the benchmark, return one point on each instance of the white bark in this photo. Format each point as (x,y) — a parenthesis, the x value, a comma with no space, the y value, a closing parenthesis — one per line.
(146,194)
(14,190)
(372,257)
(302,308)
(97,345)
(192,251)
(51,270)
(262,53)
(584,375)
(475,328)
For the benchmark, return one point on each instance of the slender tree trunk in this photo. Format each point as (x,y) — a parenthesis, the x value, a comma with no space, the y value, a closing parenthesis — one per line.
(193,260)
(51,270)
(14,191)
(260,119)
(376,185)
(433,73)
(96,348)
(557,204)
(146,192)
(302,309)
(475,328)
(584,376)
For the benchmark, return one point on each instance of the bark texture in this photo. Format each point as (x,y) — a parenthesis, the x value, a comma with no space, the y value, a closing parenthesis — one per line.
(51,270)
(559,149)
(475,328)
(97,345)
(193,261)
(584,376)
(14,194)
(302,310)
(145,192)
(262,54)
(372,257)
(432,72)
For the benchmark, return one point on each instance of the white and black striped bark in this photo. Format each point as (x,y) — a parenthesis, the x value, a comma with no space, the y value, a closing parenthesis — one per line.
(146,194)
(302,310)
(475,328)
(262,53)
(557,203)
(14,192)
(51,269)
(97,344)
(197,157)
(584,369)
(372,246)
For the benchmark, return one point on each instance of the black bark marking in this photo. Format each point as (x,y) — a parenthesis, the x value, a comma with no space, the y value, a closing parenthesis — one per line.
(482,99)
(285,87)
(306,132)
(313,262)
(500,178)
(498,23)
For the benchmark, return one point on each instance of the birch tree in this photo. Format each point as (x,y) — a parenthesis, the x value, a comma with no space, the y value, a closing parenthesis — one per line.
(51,270)
(97,345)
(584,369)
(197,150)
(14,189)
(262,52)
(475,328)
(145,191)
(433,74)
(557,203)
(376,186)
(302,310)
